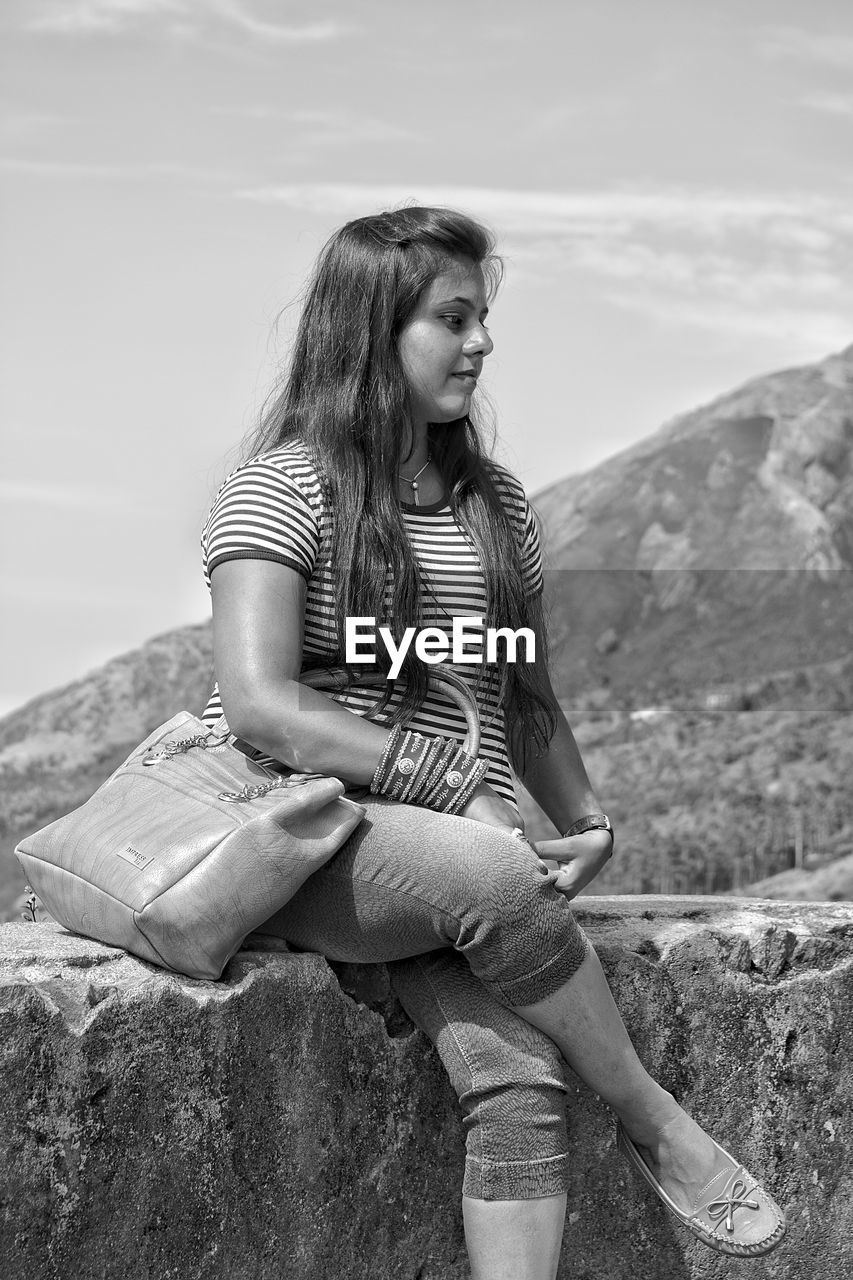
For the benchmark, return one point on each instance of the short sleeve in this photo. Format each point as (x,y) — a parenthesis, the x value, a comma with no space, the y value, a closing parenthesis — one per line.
(262,513)
(531,553)
(526,525)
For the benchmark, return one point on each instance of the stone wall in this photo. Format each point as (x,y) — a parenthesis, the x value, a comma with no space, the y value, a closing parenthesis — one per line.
(287,1123)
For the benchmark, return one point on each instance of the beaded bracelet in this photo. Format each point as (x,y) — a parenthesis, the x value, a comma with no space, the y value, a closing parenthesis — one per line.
(468,787)
(458,776)
(437,773)
(395,766)
(429,749)
(454,769)
(390,743)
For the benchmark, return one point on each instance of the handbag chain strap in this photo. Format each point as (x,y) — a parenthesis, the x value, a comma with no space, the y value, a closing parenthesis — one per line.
(252,793)
(168,751)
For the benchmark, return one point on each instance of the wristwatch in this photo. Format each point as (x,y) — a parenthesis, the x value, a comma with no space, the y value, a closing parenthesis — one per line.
(592,822)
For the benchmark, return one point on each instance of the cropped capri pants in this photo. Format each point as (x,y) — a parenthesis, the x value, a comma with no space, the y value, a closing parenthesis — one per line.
(470,926)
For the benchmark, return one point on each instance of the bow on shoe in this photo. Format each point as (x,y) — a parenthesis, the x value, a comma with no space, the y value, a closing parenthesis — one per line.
(736,1200)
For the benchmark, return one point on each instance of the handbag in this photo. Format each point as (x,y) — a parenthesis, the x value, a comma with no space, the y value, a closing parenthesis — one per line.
(191,844)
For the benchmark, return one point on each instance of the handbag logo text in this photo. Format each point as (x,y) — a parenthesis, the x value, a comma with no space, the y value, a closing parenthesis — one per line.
(134,857)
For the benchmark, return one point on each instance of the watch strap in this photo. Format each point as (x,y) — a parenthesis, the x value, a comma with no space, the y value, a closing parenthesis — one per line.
(590,822)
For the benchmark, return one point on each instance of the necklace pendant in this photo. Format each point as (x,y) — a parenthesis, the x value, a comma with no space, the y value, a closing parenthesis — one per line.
(413,483)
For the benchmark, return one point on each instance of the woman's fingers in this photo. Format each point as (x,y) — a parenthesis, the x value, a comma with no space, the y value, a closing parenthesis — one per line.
(566,881)
(576,860)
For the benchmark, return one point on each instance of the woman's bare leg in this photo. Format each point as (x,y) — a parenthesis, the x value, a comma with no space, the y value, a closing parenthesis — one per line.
(514,1239)
(582,1019)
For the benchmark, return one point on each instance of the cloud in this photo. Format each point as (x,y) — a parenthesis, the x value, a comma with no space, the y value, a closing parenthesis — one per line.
(809,46)
(241,17)
(536,212)
(21,125)
(181,18)
(719,272)
(334,127)
(52,592)
(248,111)
(836,104)
(60,496)
(321,128)
(80,17)
(704,255)
(813,332)
(141,172)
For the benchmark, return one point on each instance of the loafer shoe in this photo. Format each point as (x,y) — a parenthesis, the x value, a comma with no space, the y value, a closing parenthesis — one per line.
(731,1213)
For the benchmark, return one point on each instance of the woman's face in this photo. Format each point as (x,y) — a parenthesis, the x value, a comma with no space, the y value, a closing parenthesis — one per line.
(444,343)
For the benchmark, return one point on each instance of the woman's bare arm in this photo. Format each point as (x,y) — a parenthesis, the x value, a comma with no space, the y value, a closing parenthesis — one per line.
(559,783)
(558,780)
(258,628)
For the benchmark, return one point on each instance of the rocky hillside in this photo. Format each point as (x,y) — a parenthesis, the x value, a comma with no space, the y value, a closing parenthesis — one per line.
(716,549)
(58,748)
(701,589)
(719,790)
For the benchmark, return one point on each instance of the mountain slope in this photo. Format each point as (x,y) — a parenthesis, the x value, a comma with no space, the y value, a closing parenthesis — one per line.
(717,547)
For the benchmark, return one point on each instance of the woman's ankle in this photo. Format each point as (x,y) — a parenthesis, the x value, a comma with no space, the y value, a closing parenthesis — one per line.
(645,1116)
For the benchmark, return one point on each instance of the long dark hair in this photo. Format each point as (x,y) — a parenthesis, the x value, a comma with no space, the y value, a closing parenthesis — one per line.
(345,396)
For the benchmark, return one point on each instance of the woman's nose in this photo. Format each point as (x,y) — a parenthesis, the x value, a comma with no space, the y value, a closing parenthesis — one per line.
(479,341)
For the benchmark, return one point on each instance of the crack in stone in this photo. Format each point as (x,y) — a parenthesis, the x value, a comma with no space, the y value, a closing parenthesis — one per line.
(369,985)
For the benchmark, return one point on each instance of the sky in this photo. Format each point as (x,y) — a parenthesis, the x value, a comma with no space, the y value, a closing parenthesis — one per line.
(669,181)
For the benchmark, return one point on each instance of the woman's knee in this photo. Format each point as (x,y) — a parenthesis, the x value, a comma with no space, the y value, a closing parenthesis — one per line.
(492,870)
(511,909)
(454,882)
(457,865)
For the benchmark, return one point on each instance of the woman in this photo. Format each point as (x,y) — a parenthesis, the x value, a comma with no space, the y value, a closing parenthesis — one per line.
(370,497)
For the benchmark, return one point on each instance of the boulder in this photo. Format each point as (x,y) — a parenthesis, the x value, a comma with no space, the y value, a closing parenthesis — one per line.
(289,1123)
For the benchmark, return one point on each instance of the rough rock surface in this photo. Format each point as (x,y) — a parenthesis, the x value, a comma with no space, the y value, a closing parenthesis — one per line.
(288,1123)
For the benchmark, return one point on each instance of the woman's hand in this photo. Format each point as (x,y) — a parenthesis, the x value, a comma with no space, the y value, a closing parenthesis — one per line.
(578,859)
(487,806)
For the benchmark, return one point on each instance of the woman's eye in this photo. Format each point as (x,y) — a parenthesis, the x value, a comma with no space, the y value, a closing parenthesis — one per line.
(453,320)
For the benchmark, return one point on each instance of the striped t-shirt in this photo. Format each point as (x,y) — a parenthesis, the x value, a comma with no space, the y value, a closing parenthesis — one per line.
(273,508)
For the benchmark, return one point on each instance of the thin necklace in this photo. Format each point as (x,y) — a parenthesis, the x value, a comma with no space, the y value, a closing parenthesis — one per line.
(414,480)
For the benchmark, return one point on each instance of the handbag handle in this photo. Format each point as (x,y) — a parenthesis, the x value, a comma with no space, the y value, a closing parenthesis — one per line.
(439,680)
